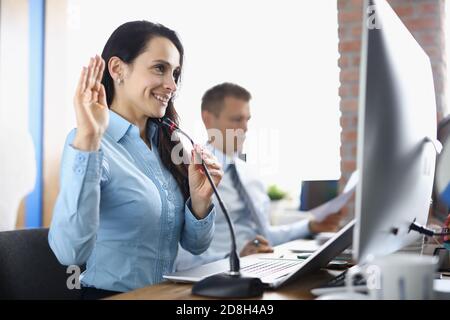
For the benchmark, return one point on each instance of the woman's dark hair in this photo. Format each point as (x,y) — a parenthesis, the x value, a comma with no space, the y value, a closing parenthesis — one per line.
(127,42)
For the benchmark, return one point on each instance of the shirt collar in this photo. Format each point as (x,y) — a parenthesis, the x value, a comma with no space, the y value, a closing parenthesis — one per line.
(153,132)
(222,158)
(119,126)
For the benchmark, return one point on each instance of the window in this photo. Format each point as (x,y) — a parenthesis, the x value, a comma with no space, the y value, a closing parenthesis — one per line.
(284,52)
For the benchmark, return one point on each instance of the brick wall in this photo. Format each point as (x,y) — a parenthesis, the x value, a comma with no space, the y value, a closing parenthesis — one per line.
(425,19)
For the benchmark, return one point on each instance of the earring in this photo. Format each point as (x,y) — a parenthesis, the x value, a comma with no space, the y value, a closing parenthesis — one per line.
(119,81)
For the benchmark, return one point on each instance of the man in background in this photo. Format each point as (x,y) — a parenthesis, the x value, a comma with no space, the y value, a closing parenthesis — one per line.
(225,113)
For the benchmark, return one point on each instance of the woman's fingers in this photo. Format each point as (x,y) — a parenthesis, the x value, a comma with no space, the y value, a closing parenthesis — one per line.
(207,157)
(82,81)
(89,88)
(101,68)
(212,163)
(95,69)
(89,75)
(215,173)
(205,153)
(102,96)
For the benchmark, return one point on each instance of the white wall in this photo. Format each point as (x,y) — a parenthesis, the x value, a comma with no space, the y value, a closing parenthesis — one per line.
(285,52)
(447,45)
(17,160)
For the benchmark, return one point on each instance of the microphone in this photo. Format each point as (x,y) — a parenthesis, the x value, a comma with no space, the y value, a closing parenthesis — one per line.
(231,284)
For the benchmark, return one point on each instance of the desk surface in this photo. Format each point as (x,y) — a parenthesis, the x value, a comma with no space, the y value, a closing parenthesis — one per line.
(297,290)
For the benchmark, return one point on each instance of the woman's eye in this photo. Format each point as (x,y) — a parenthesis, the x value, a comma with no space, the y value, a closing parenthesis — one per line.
(160,68)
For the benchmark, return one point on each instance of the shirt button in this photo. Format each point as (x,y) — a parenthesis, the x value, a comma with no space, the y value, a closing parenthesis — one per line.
(164,185)
(81,158)
(79,170)
(170,197)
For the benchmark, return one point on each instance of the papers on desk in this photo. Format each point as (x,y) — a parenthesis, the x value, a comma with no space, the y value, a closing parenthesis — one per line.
(442,289)
(336,204)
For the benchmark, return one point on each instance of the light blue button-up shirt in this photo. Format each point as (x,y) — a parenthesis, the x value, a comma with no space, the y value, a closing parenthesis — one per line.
(121,211)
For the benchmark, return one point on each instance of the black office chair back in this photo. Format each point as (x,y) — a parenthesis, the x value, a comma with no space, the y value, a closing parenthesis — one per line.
(29,269)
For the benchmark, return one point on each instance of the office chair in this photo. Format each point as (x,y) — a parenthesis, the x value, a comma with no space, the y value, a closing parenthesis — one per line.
(440,209)
(29,269)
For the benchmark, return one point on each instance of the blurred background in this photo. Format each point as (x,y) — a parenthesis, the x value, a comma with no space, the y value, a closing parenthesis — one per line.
(299,60)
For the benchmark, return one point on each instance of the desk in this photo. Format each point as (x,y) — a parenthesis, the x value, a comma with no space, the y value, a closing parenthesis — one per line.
(297,290)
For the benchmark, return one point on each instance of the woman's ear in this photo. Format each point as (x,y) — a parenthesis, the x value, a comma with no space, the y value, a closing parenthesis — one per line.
(115,68)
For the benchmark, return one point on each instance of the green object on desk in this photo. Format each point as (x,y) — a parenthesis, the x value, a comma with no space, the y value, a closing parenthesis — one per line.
(275,193)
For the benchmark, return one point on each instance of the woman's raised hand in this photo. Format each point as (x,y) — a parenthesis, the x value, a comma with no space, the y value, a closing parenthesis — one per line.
(91,108)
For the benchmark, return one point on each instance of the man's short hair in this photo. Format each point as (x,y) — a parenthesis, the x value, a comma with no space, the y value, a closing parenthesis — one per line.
(213,99)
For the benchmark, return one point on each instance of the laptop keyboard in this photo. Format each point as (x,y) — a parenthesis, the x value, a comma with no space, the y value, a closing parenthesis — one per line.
(270,267)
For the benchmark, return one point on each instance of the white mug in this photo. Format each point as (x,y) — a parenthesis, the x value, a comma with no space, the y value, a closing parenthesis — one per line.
(399,276)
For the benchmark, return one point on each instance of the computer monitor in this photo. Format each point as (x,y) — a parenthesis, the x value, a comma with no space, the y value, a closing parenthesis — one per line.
(397,114)
(316,192)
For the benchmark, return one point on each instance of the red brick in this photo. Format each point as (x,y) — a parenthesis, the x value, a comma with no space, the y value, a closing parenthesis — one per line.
(342,33)
(434,53)
(351,75)
(356,61)
(355,90)
(350,104)
(344,91)
(349,135)
(356,5)
(350,16)
(425,21)
(357,31)
(348,166)
(350,46)
(420,24)
(428,7)
(427,39)
(354,150)
(404,11)
(342,5)
(343,61)
(348,121)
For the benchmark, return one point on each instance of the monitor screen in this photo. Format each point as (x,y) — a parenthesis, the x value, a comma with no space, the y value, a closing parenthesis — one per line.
(397,113)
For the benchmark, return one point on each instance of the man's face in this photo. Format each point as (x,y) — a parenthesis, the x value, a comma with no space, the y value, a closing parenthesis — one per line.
(232,123)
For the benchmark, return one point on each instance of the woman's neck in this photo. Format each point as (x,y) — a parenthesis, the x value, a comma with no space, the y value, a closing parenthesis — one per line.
(139,120)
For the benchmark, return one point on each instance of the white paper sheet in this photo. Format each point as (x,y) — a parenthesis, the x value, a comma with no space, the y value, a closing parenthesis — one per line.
(336,204)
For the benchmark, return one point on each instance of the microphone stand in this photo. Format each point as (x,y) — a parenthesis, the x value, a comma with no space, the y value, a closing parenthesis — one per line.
(225,285)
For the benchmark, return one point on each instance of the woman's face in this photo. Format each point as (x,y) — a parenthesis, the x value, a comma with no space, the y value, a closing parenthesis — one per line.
(150,81)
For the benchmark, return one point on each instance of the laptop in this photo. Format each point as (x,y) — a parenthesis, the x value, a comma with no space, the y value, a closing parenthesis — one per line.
(274,271)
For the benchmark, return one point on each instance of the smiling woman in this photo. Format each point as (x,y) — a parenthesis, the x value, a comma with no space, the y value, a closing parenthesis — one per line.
(123,205)
(289,65)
